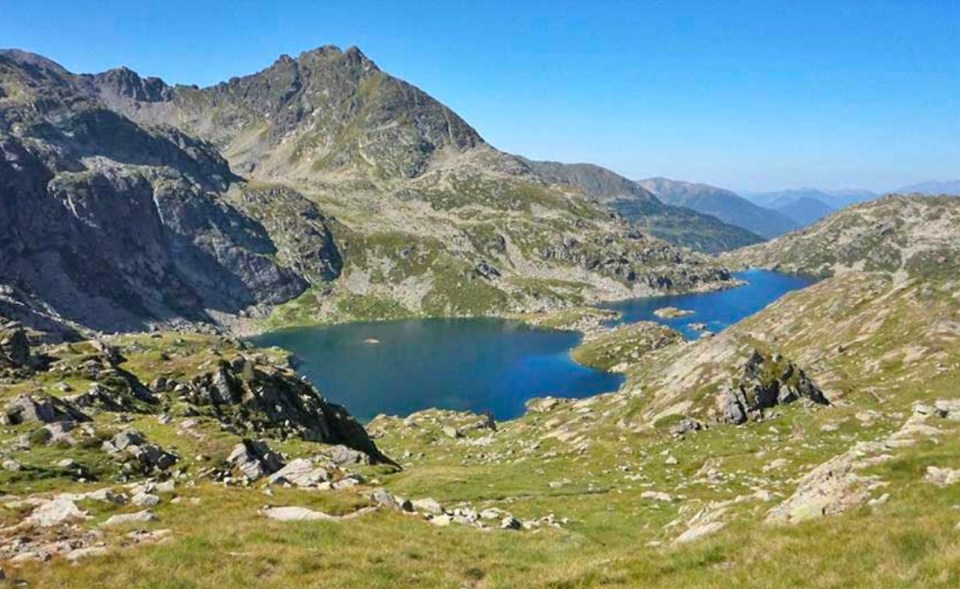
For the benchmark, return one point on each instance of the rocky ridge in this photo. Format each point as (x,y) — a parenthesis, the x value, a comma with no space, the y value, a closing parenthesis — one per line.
(905,236)
(320,185)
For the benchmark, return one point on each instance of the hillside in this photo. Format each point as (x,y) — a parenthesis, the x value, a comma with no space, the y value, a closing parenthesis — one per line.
(829,417)
(317,190)
(681,225)
(725,205)
(902,236)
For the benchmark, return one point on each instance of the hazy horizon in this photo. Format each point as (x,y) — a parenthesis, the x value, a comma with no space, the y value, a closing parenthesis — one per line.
(752,96)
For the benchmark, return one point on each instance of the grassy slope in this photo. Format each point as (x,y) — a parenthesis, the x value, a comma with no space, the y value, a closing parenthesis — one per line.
(590,461)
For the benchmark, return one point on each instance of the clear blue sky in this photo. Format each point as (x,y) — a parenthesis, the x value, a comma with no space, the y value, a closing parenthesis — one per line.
(745,94)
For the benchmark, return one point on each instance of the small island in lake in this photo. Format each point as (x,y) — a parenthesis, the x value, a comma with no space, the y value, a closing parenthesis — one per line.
(672,313)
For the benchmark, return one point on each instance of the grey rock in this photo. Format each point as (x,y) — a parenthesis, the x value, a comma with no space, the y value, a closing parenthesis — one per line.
(427,505)
(765,382)
(300,473)
(342,455)
(129,518)
(254,459)
(40,408)
(510,523)
(56,512)
(145,500)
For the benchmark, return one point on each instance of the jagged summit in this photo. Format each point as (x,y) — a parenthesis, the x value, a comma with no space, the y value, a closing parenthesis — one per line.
(327,111)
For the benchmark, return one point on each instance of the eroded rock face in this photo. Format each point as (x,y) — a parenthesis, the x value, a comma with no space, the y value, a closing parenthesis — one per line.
(765,382)
(117,225)
(14,346)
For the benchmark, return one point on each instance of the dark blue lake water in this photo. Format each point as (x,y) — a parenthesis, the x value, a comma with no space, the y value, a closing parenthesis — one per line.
(485,364)
(717,310)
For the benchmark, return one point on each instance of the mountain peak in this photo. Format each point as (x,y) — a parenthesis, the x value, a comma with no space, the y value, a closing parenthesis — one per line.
(123,81)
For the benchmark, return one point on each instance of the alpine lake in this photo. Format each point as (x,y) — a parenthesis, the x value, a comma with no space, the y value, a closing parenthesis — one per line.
(490,365)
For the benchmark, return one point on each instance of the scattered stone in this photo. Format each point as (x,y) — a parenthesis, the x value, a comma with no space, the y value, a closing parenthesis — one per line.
(510,523)
(697,532)
(300,473)
(56,512)
(130,518)
(775,464)
(80,553)
(656,496)
(428,505)
(254,459)
(293,513)
(145,500)
(341,455)
(942,477)
(384,499)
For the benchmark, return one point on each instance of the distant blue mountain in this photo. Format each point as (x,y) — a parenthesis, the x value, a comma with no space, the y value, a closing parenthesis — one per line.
(807,205)
(723,204)
(805,210)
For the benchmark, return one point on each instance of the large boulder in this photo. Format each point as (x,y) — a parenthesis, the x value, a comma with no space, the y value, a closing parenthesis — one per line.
(254,459)
(41,408)
(300,473)
(56,512)
(765,382)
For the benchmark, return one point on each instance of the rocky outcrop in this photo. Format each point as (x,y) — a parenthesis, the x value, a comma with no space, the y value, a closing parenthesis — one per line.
(141,456)
(40,408)
(14,346)
(265,399)
(765,382)
(839,484)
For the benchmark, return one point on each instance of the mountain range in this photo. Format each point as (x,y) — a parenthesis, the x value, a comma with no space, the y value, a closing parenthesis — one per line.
(723,204)
(319,187)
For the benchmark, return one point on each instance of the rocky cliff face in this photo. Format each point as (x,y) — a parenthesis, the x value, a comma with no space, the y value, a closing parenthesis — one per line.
(114,225)
(320,185)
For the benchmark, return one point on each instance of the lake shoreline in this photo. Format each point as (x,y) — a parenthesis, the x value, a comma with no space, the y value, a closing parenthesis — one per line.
(250,327)
(497,363)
